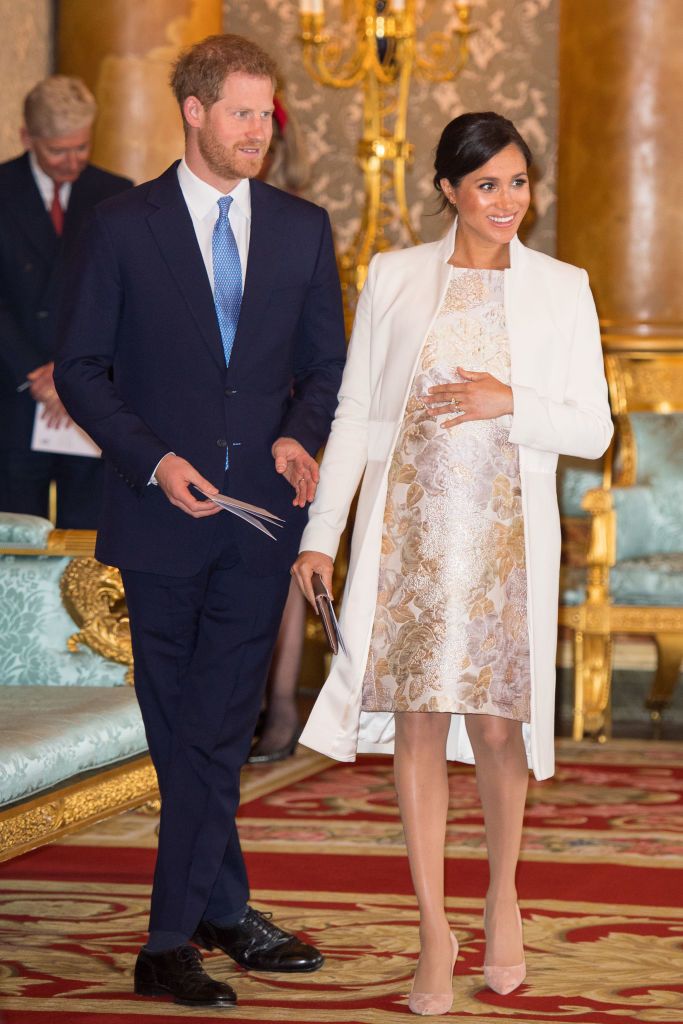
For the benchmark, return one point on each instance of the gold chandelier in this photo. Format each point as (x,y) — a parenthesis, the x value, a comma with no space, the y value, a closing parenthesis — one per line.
(382,60)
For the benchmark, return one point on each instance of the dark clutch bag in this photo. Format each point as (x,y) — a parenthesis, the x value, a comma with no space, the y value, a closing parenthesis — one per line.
(323,603)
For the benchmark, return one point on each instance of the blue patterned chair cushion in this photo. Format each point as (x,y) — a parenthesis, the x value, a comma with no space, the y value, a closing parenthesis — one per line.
(35,626)
(649,519)
(22,531)
(653,581)
(574,478)
(659,446)
(51,734)
(649,513)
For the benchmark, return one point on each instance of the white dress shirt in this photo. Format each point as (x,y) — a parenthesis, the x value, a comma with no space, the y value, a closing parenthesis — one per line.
(202,202)
(46,185)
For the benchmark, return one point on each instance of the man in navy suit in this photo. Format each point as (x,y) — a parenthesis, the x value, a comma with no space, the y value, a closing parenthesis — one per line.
(45,195)
(202,348)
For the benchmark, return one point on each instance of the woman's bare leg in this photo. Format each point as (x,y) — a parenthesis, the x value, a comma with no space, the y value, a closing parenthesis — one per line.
(421,776)
(502,780)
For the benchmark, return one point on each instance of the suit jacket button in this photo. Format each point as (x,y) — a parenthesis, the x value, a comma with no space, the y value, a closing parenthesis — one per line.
(222,443)
(28,267)
(230,392)
(42,314)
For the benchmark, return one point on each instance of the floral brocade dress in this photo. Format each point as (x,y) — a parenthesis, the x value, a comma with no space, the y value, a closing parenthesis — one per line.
(450,629)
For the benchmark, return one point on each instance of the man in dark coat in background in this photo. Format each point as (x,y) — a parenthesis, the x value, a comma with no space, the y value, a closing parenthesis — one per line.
(45,196)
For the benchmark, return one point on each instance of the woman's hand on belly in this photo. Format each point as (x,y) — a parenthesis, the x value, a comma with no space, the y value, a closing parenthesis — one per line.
(477,396)
(306,564)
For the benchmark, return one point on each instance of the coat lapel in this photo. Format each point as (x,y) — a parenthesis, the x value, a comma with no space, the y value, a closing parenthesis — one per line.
(427,283)
(263,266)
(529,312)
(32,216)
(171,225)
(81,202)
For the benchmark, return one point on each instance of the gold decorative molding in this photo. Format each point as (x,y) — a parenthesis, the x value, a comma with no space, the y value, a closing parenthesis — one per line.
(68,543)
(57,813)
(638,338)
(622,618)
(94,597)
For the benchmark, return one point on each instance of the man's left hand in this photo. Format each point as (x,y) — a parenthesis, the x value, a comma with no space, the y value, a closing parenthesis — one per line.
(43,390)
(298,467)
(42,382)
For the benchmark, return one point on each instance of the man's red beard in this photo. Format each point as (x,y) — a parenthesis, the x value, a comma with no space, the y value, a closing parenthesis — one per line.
(229,164)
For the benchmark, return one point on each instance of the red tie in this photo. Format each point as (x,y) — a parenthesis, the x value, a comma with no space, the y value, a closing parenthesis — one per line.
(56,211)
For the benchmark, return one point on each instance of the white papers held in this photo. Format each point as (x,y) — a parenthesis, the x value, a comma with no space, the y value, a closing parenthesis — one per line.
(251,514)
(67,439)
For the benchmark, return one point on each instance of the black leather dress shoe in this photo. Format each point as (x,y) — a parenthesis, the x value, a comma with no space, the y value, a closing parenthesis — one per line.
(259,945)
(179,973)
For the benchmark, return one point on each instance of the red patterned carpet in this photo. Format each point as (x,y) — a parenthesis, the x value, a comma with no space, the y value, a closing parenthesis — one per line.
(601,885)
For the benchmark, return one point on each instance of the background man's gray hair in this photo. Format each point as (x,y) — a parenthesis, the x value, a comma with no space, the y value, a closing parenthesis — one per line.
(58,105)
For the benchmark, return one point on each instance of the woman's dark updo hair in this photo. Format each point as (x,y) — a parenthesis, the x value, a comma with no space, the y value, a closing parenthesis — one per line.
(469,141)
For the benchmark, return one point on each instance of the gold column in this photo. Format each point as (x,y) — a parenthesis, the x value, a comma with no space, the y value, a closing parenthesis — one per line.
(620,213)
(123,50)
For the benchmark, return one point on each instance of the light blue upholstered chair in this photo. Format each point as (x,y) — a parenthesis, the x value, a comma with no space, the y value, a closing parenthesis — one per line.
(633,582)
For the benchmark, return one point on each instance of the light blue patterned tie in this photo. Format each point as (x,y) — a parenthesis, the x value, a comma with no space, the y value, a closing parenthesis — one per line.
(227,280)
(227,277)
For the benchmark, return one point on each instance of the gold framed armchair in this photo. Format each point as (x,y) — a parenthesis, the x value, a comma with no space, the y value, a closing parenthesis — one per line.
(633,581)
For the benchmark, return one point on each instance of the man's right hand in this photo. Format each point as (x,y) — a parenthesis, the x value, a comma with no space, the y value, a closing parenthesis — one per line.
(174,475)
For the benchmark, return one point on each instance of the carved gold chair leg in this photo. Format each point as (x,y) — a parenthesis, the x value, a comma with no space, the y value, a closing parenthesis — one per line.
(669,658)
(592,684)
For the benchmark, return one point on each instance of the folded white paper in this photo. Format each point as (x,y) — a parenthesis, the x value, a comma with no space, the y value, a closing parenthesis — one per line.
(251,514)
(63,440)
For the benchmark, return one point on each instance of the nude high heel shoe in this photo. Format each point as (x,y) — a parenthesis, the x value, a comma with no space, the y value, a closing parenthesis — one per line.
(504,980)
(433,1004)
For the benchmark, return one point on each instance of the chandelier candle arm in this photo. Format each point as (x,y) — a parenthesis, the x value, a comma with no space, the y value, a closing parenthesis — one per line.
(382,57)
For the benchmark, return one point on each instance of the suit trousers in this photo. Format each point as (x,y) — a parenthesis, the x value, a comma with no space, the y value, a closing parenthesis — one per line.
(202,647)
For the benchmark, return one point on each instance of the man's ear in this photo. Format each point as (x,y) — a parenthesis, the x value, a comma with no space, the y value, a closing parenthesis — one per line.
(25,137)
(193,112)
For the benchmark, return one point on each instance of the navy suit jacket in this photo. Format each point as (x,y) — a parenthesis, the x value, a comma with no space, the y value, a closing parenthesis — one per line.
(141,368)
(32,260)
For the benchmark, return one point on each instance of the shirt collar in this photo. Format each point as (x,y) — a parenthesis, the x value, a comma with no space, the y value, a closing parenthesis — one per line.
(202,198)
(46,185)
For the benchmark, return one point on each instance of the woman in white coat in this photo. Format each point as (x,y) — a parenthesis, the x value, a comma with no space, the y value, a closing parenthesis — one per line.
(473,363)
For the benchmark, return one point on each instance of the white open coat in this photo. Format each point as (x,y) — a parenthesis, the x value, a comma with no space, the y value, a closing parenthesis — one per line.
(560,407)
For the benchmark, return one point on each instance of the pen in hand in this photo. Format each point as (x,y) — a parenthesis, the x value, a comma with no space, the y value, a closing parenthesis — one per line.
(24,387)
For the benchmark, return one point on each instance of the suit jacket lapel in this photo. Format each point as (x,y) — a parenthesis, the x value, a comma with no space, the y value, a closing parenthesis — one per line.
(262,265)
(80,204)
(32,216)
(171,225)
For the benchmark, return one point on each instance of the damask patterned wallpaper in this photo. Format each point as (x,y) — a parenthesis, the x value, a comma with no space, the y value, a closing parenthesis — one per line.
(25,58)
(512,69)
